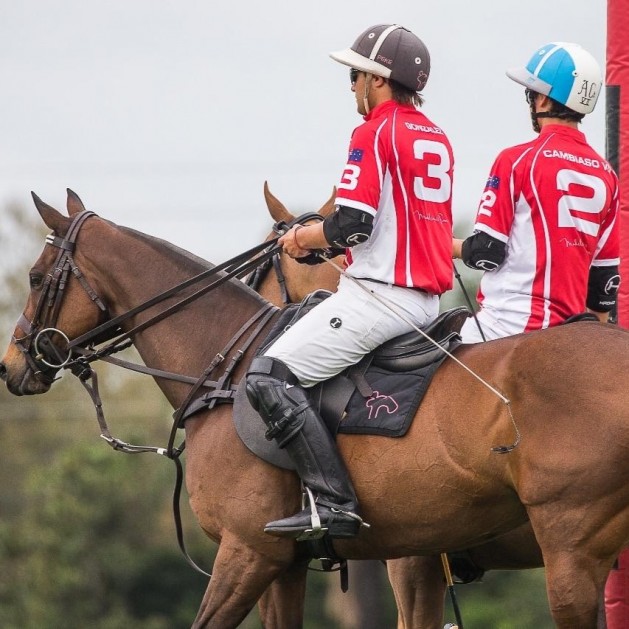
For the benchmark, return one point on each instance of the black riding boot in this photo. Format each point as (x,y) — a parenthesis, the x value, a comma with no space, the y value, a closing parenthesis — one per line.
(274,392)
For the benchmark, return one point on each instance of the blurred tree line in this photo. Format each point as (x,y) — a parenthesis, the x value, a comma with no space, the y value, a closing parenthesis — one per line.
(87,535)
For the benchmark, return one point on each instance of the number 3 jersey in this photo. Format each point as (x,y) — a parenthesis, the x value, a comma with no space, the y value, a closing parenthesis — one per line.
(554,202)
(399,170)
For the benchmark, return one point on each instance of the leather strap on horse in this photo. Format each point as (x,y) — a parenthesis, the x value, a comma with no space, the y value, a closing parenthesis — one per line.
(50,297)
(235,267)
(174,453)
(264,315)
(128,448)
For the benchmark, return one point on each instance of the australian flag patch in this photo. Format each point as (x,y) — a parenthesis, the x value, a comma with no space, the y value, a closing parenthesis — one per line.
(493,182)
(355,155)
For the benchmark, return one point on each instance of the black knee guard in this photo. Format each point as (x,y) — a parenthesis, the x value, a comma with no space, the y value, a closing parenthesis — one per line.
(281,407)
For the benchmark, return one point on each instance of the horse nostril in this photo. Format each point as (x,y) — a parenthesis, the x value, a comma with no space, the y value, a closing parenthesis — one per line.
(3,372)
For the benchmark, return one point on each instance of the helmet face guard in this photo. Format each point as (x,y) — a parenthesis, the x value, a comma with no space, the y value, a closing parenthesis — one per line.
(565,72)
(390,51)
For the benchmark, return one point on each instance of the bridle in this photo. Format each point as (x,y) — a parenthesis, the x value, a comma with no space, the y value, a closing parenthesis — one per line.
(41,354)
(255,279)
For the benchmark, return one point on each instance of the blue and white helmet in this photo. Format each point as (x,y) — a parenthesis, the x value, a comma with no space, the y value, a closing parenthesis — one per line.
(565,72)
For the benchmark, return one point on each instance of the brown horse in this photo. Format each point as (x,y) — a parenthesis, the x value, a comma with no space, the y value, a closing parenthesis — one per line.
(418,583)
(439,488)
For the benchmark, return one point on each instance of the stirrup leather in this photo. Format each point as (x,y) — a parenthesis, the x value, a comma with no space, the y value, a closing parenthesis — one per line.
(317,531)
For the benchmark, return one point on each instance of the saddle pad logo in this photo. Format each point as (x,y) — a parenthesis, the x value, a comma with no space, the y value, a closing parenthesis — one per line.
(377,403)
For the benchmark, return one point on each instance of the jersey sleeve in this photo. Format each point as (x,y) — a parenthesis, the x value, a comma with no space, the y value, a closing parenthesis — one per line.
(361,182)
(496,209)
(608,248)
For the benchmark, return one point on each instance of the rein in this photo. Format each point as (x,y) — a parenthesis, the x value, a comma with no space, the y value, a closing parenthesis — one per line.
(255,279)
(223,389)
(239,266)
(235,267)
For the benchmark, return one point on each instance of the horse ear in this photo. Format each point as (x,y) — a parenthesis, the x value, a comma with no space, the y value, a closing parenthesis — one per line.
(277,209)
(75,205)
(329,206)
(53,219)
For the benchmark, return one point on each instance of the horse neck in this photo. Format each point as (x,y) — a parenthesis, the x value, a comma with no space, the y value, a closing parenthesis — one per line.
(270,289)
(130,268)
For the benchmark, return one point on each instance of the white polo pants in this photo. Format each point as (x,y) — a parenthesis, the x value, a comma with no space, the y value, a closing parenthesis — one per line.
(350,323)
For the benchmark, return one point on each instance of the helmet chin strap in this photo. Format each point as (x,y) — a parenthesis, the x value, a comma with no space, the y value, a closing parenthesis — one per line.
(534,117)
(546,114)
(368,76)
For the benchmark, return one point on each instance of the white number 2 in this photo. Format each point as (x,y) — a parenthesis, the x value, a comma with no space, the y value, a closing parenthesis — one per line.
(570,203)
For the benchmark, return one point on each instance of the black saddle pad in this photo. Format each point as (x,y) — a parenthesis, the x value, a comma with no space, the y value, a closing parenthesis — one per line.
(379,396)
(393,403)
(388,411)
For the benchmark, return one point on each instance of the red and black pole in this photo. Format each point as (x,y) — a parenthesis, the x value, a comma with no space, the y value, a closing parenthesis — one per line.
(617,149)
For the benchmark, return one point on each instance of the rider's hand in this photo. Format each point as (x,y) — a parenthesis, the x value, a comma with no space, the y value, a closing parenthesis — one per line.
(290,245)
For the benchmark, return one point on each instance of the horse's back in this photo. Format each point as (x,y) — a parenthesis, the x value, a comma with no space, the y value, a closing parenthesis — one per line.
(557,387)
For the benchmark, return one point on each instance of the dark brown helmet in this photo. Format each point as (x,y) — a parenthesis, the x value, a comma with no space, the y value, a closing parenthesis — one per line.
(390,51)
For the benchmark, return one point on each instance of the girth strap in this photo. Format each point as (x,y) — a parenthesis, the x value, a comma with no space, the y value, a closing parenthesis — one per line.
(224,382)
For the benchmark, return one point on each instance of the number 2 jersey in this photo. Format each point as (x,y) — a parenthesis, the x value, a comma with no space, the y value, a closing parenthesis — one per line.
(554,202)
(399,170)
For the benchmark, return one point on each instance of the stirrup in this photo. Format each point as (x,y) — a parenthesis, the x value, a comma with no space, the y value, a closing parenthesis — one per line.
(317,531)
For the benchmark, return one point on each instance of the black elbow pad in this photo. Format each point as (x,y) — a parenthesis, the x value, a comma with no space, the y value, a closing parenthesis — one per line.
(483,252)
(603,283)
(347,227)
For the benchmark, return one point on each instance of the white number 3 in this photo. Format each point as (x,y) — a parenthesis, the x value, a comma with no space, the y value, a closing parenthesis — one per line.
(440,172)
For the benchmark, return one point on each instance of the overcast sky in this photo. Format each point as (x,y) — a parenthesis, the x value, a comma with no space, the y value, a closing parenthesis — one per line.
(168,116)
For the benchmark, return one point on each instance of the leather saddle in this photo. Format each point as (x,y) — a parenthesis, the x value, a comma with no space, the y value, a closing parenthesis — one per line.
(410,352)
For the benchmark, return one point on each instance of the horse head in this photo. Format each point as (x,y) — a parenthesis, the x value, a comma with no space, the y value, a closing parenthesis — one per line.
(38,348)
(298,280)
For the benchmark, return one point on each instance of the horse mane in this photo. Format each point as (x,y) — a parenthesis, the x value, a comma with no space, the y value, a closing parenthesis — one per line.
(190,260)
(184,259)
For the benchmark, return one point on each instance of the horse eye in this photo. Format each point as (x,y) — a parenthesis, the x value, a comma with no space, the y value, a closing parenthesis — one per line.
(36,280)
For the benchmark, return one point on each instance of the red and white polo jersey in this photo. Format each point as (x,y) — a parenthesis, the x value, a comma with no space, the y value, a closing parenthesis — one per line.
(399,170)
(554,201)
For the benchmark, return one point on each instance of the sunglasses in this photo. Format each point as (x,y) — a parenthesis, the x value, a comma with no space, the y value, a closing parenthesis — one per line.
(530,96)
(353,75)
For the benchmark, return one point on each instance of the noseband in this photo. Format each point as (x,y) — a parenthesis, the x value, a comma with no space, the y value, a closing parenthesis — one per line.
(42,355)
